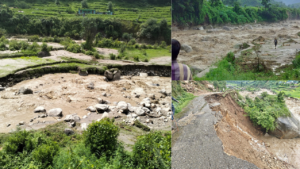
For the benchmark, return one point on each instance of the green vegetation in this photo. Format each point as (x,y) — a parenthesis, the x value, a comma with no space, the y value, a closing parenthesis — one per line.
(215,12)
(98,147)
(264,110)
(230,69)
(180,95)
(290,88)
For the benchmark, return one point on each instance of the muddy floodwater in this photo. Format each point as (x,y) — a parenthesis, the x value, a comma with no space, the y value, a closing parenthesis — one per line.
(70,93)
(209,46)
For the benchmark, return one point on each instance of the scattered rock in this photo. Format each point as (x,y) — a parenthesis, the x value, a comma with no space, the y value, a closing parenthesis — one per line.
(122,106)
(42,116)
(141,111)
(101,107)
(91,109)
(105,114)
(209,27)
(83,72)
(100,101)
(143,74)
(2,88)
(39,109)
(186,48)
(84,117)
(249,27)
(43,54)
(25,90)
(226,28)
(72,117)
(84,126)
(112,74)
(214,105)
(68,131)
(55,112)
(8,125)
(21,123)
(31,120)
(91,85)
(104,94)
(72,124)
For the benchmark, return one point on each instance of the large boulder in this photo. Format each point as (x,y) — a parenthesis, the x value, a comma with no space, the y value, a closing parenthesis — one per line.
(91,109)
(84,126)
(146,102)
(39,109)
(25,90)
(226,28)
(72,117)
(112,74)
(186,48)
(287,127)
(101,107)
(122,106)
(55,112)
(141,111)
(68,131)
(105,114)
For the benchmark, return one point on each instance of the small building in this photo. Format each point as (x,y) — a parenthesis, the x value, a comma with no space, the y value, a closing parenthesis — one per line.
(86,11)
(92,11)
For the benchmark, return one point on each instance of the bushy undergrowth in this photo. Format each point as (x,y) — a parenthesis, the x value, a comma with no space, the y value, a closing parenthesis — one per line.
(97,148)
(181,95)
(264,110)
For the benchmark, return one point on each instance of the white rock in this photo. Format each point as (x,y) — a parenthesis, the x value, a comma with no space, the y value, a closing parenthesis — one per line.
(55,112)
(133,115)
(91,109)
(21,123)
(100,101)
(105,114)
(143,75)
(39,109)
(72,117)
(122,106)
(84,117)
(84,126)
(101,107)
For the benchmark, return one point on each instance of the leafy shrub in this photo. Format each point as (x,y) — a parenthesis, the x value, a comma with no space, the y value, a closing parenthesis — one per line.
(126,36)
(146,60)
(44,47)
(126,58)
(84,4)
(132,42)
(2,32)
(230,57)
(101,137)
(73,47)
(89,52)
(155,46)
(144,52)
(140,125)
(136,46)
(2,46)
(34,38)
(297,33)
(244,46)
(45,153)
(24,45)
(4,40)
(163,44)
(149,46)
(14,45)
(122,48)
(112,56)
(296,61)
(33,47)
(136,58)
(265,111)
(22,5)
(69,10)
(144,46)
(153,150)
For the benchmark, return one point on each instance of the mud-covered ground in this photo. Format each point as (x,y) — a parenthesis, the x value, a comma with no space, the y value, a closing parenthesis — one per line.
(70,93)
(208,48)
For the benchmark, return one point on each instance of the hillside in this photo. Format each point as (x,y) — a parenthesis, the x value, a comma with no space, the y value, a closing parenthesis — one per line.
(132,11)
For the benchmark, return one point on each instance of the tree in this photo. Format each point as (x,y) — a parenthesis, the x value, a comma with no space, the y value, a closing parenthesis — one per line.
(56,2)
(110,6)
(84,4)
(215,2)
(126,36)
(266,3)
(89,31)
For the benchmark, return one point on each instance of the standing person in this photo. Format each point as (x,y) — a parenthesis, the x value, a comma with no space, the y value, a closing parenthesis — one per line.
(173,109)
(275,42)
(179,71)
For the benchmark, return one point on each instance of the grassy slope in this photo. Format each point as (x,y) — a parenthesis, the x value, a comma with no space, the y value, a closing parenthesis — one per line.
(123,10)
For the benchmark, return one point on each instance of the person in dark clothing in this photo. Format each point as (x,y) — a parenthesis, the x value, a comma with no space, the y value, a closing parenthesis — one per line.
(275,42)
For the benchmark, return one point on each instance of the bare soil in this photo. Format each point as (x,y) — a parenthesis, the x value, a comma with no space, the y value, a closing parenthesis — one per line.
(107,51)
(70,93)
(235,128)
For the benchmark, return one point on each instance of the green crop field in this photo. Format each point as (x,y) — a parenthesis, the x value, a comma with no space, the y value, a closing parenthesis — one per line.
(69,9)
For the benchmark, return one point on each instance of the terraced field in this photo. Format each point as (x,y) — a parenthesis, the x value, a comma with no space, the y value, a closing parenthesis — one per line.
(121,10)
